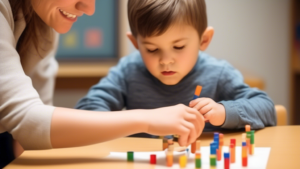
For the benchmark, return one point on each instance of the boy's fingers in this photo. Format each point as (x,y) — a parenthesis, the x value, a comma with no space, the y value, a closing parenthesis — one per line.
(193,133)
(192,118)
(194,112)
(184,135)
(200,120)
(208,115)
(205,109)
(195,101)
(202,125)
(201,104)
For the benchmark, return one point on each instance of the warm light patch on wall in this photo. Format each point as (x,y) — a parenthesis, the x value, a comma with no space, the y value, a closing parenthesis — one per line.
(93,38)
(71,39)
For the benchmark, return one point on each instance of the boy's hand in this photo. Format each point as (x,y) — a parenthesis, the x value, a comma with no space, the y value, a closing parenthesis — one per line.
(179,119)
(212,111)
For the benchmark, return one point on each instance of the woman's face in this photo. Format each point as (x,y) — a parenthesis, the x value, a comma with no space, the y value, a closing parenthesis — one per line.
(61,14)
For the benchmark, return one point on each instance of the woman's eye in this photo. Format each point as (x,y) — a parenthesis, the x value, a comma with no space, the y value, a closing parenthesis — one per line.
(152,51)
(178,47)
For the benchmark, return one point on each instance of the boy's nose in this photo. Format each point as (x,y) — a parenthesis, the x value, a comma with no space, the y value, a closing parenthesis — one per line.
(86,6)
(165,60)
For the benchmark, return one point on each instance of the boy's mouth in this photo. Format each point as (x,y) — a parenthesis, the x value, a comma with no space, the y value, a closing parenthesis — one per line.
(168,73)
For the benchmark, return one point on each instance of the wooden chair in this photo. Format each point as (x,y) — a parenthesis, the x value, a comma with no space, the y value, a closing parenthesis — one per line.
(281,115)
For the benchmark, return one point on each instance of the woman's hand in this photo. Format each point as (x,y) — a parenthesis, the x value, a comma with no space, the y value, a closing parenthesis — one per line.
(70,128)
(212,111)
(184,121)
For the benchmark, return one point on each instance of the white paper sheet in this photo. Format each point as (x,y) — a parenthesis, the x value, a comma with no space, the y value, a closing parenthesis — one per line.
(257,161)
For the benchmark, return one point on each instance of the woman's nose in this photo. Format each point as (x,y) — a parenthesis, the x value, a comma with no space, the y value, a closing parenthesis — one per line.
(86,6)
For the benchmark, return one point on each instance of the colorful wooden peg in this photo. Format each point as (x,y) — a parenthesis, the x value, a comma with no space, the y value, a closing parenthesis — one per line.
(232,153)
(153,159)
(130,156)
(244,155)
(226,161)
(247,128)
(170,159)
(182,161)
(193,147)
(198,160)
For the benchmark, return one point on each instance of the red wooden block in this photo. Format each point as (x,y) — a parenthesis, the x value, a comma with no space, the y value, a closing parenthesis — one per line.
(232,141)
(152,159)
(244,162)
(226,163)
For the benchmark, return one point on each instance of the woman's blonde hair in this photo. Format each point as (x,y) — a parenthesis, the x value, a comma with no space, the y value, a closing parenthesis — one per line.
(35,31)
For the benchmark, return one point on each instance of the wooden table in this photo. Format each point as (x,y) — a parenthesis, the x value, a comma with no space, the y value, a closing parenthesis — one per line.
(283,140)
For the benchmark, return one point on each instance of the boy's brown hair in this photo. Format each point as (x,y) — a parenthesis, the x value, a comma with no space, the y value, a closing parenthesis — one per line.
(153,17)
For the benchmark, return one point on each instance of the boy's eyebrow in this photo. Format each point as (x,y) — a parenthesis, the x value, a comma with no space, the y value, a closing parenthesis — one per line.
(145,42)
(177,40)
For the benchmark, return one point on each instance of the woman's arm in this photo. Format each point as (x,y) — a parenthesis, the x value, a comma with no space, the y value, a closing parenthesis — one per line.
(37,126)
(71,127)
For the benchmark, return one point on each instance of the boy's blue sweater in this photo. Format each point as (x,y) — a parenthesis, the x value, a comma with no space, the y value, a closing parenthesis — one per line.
(130,85)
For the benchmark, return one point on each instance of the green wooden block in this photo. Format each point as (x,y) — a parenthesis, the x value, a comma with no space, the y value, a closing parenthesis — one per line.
(213,161)
(252,137)
(248,134)
(129,156)
(198,163)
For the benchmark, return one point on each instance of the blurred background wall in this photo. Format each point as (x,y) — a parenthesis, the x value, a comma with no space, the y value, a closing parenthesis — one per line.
(254,36)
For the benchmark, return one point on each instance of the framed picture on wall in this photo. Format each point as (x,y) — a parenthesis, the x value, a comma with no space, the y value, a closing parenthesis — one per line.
(93,37)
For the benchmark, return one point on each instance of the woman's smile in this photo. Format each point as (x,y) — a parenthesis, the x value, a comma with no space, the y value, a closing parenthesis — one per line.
(68,16)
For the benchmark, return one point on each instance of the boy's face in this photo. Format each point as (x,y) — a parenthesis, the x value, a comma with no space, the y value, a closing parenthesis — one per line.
(170,56)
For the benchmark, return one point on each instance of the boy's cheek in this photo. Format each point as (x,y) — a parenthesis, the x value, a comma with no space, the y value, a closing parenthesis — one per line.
(148,60)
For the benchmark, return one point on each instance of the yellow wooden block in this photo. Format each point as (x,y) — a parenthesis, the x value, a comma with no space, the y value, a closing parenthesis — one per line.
(252,149)
(182,161)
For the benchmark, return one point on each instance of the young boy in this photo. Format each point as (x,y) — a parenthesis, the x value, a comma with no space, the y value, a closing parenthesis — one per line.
(169,66)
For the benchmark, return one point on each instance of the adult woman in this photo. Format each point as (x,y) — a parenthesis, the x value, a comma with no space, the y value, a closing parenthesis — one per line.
(27,71)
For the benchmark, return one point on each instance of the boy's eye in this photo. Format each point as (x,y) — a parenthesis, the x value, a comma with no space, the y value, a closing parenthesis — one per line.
(152,51)
(178,47)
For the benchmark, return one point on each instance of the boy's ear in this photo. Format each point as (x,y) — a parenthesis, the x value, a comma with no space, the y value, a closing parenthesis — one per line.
(132,39)
(206,38)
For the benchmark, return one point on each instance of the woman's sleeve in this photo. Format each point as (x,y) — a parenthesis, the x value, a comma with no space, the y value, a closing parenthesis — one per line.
(22,113)
(43,75)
